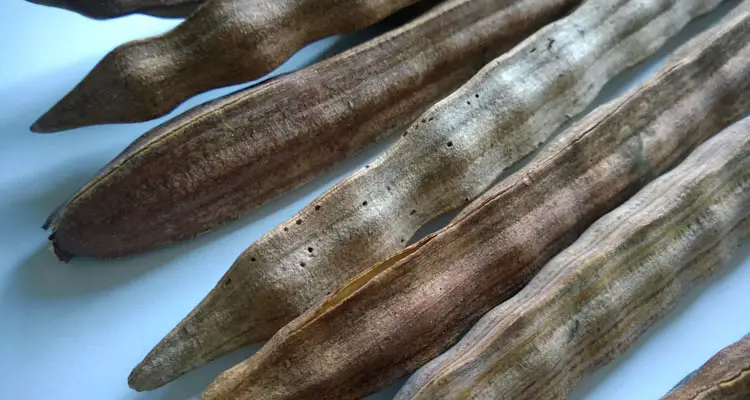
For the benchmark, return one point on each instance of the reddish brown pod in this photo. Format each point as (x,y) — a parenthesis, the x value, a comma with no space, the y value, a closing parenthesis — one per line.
(596,298)
(451,154)
(225,42)
(220,160)
(403,312)
(103,9)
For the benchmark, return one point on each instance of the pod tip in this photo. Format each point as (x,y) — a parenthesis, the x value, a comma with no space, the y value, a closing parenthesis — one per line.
(61,254)
(50,3)
(89,9)
(36,127)
(45,124)
(147,375)
(135,379)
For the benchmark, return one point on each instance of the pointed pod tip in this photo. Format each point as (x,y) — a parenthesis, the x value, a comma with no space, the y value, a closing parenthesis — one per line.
(61,117)
(80,107)
(36,127)
(94,10)
(45,124)
(149,373)
(50,3)
(136,381)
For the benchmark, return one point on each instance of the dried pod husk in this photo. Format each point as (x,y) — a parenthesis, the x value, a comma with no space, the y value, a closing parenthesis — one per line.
(222,159)
(597,297)
(401,313)
(103,9)
(455,151)
(225,42)
(725,376)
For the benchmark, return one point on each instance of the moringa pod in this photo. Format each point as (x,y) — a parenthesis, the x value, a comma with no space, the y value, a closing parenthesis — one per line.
(453,153)
(223,43)
(725,376)
(222,159)
(597,297)
(103,9)
(406,310)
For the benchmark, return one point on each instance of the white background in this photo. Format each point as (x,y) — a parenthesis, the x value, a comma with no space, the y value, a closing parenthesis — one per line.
(74,331)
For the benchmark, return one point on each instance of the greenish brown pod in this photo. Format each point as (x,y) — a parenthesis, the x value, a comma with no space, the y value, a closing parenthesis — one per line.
(103,9)
(597,297)
(223,43)
(403,312)
(451,154)
(725,376)
(222,159)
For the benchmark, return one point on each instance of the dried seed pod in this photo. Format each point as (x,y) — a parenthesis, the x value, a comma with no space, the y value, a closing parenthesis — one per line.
(453,153)
(222,159)
(598,296)
(223,43)
(725,376)
(102,9)
(399,314)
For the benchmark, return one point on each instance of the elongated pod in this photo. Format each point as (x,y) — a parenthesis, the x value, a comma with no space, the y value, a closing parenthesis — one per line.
(223,43)
(456,150)
(220,160)
(102,9)
(598,296)
(401,313)
(725,376)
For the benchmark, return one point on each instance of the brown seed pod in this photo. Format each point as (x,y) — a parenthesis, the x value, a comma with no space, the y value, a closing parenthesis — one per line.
(103,9)
(222,159)
(452,153)
(223,43)
(401,313)
(598,296)
(725,376)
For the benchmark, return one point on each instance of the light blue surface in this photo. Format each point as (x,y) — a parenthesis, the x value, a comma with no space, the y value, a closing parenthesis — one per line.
(74,331)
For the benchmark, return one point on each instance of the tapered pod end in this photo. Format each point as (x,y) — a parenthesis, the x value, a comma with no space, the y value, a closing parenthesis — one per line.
(36,127)
(53,3)
(50,122)
(80,7)
(187,346)
(97,9)
(112,9)
(242,309)
(118,90)
(176,354)
(75,110)
(141,378)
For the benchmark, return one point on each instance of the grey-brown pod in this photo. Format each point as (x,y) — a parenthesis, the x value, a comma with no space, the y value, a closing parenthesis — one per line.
(103,9)
(403,312)
(225,42)
(592,301)
(222,159)
(725,376)
(451,154)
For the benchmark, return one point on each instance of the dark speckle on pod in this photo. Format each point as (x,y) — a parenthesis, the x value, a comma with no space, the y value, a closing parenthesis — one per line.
(508,226)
